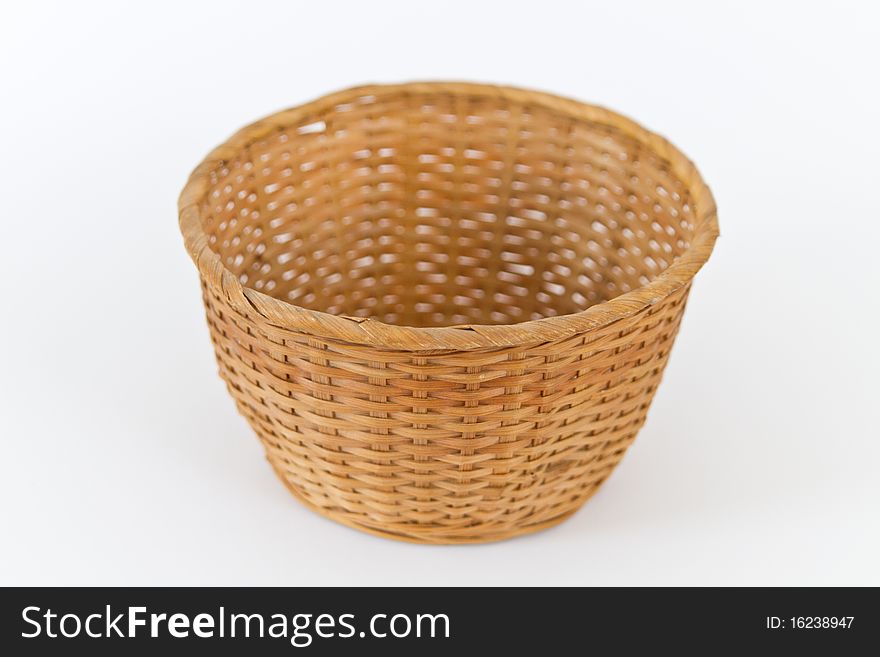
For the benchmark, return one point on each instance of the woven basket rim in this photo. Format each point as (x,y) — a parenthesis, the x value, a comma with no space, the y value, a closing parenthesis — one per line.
(374,332)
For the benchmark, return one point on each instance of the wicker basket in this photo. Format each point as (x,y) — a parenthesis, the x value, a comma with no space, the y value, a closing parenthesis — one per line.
(444,308)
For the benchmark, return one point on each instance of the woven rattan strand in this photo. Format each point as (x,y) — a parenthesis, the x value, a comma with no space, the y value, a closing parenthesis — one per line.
(444,308)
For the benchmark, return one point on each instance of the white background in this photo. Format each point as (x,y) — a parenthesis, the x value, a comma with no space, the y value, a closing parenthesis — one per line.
(123,460)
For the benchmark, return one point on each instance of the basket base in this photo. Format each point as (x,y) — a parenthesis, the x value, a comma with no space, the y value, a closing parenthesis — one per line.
(441,535)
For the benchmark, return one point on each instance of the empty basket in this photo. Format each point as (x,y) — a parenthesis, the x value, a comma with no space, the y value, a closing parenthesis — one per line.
(444,308)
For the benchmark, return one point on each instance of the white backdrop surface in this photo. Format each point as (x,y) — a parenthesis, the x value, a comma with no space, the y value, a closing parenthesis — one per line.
(123,460)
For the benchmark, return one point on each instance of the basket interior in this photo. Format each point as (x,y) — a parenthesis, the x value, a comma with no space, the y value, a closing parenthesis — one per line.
(439,209)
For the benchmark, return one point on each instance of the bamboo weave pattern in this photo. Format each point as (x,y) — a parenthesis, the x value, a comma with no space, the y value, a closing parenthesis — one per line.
(444,308)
